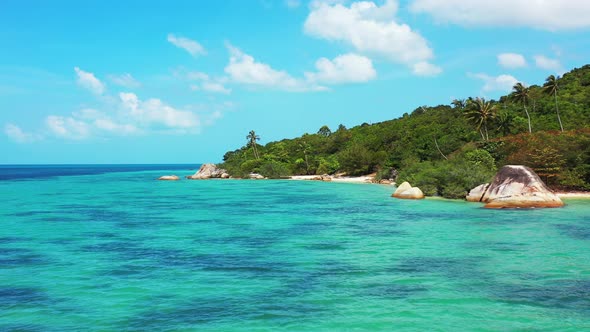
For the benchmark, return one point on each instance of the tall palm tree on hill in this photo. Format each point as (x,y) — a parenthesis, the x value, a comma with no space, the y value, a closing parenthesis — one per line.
(479,112)
(521,93)
(252,138)
(550,88)
(459,103)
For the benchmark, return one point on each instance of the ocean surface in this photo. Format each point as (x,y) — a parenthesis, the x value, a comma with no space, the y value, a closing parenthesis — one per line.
(109,248)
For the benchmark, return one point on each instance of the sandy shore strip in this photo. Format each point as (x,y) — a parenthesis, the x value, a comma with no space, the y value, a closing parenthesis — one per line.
(346,179)
(573,194)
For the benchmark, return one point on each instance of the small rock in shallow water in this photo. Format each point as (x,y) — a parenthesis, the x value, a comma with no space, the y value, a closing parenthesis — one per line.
(169,178)
(406,191)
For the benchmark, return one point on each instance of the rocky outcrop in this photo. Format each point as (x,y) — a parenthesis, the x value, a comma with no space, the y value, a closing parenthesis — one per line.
(209,171)
(476,194)
(255,176)
(325,178)
(516,186)
(406,191)
(169,178)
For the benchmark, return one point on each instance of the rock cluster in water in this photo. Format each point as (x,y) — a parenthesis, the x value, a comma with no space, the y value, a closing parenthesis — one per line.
(209,171)
(406,191)
(515,186)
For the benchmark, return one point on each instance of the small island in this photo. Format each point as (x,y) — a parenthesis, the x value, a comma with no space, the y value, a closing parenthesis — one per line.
(445,150)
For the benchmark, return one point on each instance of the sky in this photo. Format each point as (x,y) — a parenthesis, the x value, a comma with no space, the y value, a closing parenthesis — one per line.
(108,82)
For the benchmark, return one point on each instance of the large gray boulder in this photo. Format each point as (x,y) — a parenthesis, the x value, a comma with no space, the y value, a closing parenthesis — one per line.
(516,186)
(208,171)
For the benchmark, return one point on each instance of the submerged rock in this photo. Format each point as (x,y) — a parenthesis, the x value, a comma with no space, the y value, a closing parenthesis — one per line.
(516,186)
(406,191)
(208,171)
(169,178)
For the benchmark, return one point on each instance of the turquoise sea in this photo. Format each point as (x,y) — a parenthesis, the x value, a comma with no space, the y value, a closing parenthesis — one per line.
(109,248)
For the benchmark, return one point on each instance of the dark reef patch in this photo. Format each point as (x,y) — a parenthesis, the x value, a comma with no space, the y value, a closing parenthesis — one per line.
(392,290)
(568,294)
(22,296)
(17,257)
(580,231)
(464,268)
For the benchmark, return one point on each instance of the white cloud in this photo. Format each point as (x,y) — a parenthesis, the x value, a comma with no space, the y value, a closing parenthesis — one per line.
(215,88)
(207,84)
(347,68)
(503,83)
(511,60)
(244,69)
(293,3)
(135,117)
(546,63)
(539,14)
(101,121)
(155,114)
(109,125)
(189,45)
(15,133)
(197,76)
(125,80)
(369,28)
(425,68)
(67,127)
(88,81)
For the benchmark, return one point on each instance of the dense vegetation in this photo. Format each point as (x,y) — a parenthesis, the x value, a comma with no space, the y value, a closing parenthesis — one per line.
(448,149)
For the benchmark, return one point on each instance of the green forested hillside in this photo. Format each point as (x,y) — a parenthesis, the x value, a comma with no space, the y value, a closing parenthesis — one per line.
(448,149)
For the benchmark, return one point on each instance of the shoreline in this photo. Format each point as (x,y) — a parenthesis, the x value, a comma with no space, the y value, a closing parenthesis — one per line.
(367,179)
(344,179)
(573,194)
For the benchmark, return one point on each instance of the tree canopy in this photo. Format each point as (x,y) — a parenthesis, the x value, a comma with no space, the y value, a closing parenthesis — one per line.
(445,149)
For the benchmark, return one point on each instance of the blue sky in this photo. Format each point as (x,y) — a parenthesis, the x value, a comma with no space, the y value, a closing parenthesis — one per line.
(185,81)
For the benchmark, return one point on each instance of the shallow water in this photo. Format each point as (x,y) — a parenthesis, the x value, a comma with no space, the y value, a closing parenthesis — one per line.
(121,251)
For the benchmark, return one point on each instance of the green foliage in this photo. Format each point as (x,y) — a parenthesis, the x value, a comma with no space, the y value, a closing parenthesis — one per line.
(251,166)
(328,165)
(475,135)
(274,169)
(452,178)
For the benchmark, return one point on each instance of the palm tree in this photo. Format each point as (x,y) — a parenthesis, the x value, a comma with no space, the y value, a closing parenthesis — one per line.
(252,138)
(505,122)
(479,111)
(305,148)
(521,93)
(325,131)
(459,103)
(550,88)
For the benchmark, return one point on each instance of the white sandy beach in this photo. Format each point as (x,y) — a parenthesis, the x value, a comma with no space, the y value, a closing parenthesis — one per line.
(346,179)
(573,194)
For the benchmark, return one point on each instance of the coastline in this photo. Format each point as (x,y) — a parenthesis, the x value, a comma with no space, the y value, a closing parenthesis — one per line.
(342,179)
(368,179)
(573,194)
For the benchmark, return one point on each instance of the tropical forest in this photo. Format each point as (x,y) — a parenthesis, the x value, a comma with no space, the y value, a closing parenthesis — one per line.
(447,149)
